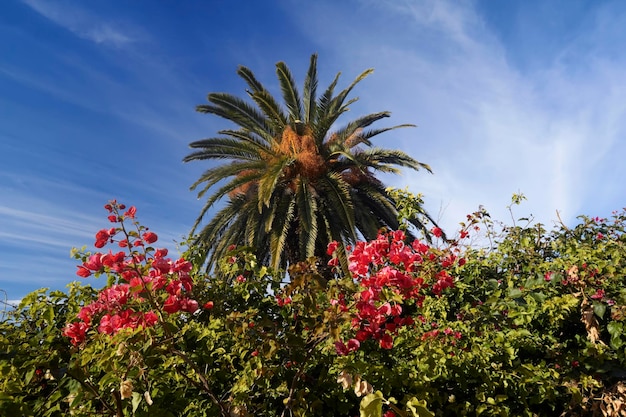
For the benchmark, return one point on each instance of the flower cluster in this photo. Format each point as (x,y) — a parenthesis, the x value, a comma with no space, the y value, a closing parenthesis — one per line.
(392,274)
(148,282)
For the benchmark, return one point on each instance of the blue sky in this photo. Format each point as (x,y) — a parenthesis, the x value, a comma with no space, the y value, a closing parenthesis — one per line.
(97,102)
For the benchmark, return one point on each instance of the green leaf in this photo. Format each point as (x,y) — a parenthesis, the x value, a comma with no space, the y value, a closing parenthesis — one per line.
(515,293)
(48,314)
(599,308)
(30,374)
(136,400)
(615,328)
(418,408)
(372,405)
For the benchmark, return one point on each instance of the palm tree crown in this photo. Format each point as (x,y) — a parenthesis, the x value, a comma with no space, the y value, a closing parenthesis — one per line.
(292,185)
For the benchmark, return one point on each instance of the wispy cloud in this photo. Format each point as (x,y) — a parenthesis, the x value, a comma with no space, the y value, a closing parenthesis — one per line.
(82,23)
(44,219)
(488,128)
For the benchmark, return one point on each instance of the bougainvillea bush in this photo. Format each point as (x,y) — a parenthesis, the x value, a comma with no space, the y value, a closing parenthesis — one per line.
(499,320)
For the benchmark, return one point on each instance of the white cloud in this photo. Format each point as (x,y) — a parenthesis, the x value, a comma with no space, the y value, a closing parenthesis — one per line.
(82,23)
(487,128)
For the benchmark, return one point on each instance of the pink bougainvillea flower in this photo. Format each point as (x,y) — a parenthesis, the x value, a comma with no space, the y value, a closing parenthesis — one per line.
(341,348)
(353,345)
(386,342)
(172,304)
(94,263)
(83,272)
(150,237)
(130,213)
(598,295)
(189,305)
(283,301)
(76,332)
(332,247)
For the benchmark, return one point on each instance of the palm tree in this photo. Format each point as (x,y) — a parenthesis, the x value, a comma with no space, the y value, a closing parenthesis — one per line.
(292,185)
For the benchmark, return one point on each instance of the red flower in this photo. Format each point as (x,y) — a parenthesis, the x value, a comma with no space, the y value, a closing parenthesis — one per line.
(150,318)
(172,304)
(341,348)
(103,235)
(386,342)
(208,305)
(332,247)
(280,301)
(94,263)
(189,305)
(150,237)
(76,332)
(353,345)
(130,213)
(598,295)
(437,231)
(83,272)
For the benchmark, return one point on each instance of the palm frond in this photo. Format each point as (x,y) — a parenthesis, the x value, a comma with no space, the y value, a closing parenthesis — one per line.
(324,101)
(310,89)
(278,236)
(218,173)
(307,217)
(337,103)
(211,232)
(378,158)
(249,137)
(351,130)
(232,185)
(270,178)
(337,193)
(366,135)
(290,91)
(224,148)
(238,111)
(378,209)
(248,76)
(271,108)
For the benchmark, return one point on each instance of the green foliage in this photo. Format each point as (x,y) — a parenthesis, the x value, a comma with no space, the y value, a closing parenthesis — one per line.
(34,355)
(534,326)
